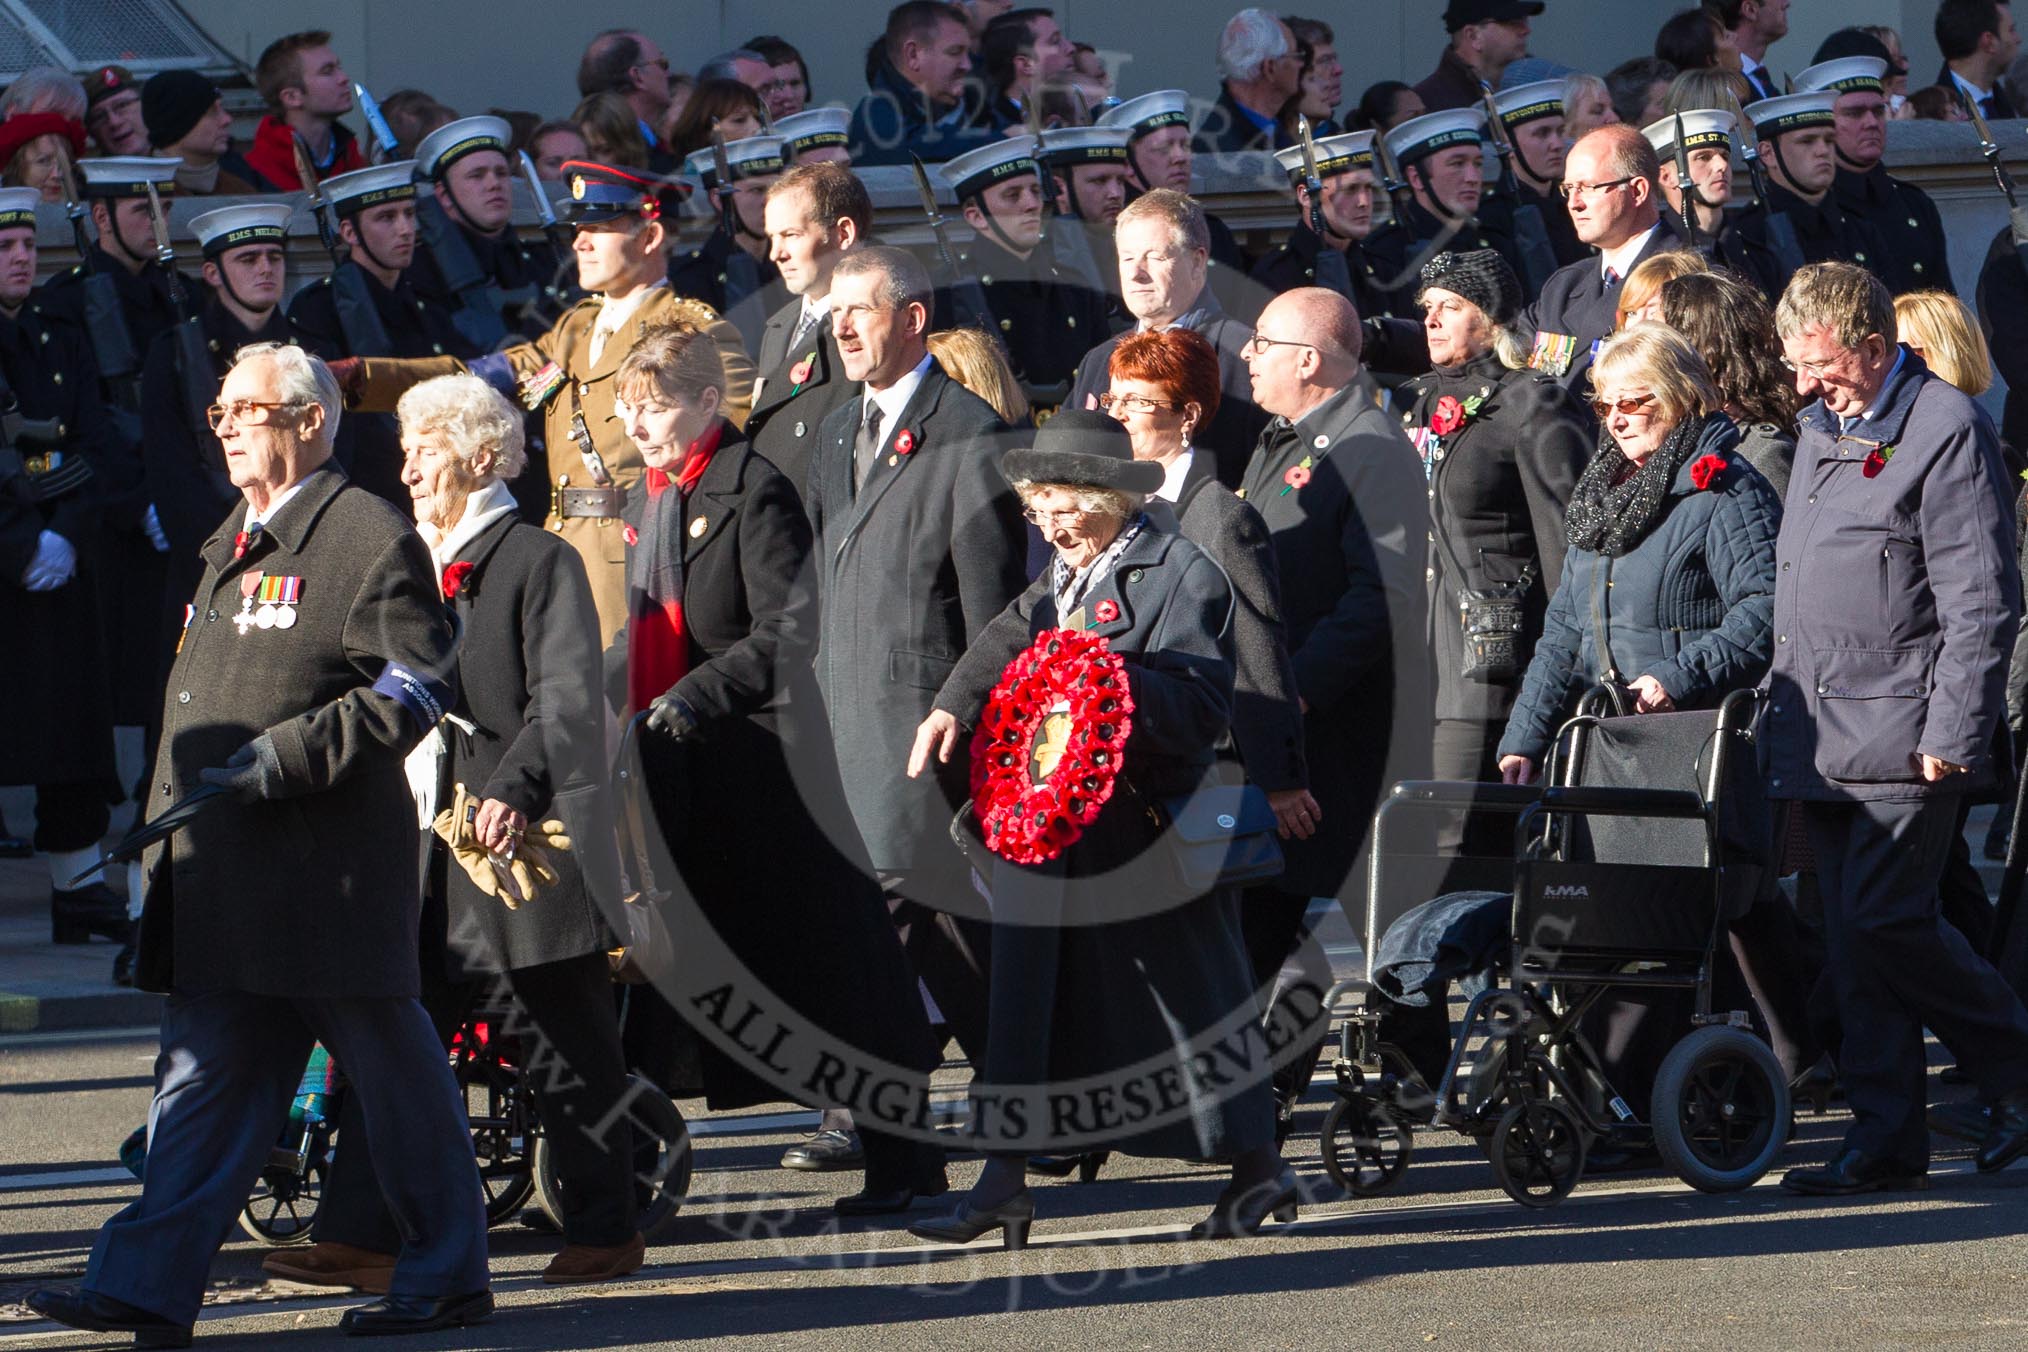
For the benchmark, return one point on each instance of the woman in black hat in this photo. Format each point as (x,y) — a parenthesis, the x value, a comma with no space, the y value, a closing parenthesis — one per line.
(1503,446)
(1113,986)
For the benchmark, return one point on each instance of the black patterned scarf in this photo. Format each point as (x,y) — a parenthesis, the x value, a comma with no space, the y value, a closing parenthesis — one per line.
(1616,503)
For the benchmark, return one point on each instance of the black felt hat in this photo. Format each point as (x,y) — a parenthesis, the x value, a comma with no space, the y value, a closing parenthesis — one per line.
(1082,448)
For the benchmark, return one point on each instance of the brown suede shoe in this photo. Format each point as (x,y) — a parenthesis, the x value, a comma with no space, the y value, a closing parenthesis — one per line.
(332,1264)
(595,1263)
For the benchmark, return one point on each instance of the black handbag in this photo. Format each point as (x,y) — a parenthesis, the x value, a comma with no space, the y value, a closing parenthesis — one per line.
(1223,835)
(1493,618)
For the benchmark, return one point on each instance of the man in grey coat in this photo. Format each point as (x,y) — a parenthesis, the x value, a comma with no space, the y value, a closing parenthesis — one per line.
(314,656)
(919,544)
(1896,601)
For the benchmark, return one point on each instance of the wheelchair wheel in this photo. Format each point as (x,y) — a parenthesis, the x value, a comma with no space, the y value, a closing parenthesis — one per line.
(1537,1152)
(662,1162)
(1366,1147)
(283,1205)
(492,1105)
(1721,1109)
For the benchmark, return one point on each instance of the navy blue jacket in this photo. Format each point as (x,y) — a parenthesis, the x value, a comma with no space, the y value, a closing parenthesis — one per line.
(893,121)
(1688,605)
(1898,599)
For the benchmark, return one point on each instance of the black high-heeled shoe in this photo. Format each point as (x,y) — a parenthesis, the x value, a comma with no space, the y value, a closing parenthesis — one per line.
(1086,1165)
(1011,1218)
(1240,1212)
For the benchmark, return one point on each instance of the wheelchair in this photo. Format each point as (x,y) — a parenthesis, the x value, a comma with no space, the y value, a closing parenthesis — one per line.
(1646,836)
(516,1158)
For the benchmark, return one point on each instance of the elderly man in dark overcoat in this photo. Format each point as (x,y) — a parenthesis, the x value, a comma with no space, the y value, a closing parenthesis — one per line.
(919,544)
(1896,601)
(316,655)
(1342,494)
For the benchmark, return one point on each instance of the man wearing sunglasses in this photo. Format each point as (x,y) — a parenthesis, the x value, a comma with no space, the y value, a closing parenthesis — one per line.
(1895,607)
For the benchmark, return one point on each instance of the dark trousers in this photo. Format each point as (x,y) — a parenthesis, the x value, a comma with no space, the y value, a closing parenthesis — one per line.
(1468,749)
(569,1040)
(228,1068)
(70,816)
(950,952)
(1896,965)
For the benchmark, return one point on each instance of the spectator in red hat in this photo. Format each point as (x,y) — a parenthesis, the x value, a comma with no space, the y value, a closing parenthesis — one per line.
(32,149)
(113,111)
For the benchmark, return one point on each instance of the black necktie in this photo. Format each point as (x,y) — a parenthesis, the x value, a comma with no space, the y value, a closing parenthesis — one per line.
(1986,105)
(866,447)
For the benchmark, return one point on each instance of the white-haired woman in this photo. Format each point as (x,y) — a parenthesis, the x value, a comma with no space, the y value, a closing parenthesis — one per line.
(1503,446)
(526,742)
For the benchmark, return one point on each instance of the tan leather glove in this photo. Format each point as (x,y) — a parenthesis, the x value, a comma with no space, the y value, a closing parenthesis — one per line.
(513,876)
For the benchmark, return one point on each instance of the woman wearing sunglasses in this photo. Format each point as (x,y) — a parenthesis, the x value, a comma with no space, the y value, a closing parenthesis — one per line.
(1668,580)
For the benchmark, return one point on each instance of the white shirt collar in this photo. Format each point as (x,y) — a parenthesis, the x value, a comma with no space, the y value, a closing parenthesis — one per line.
(1174,474)
(1621,260)
(892,400)
(613,313)
(275,504)
(814,308)
(1970,88)
(1748,65)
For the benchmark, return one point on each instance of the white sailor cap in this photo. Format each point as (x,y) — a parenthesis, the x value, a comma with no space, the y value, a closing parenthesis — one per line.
(126,175)
(17,207)
(814,129)
(1149,112)
(1062,147)
(1703,129)
(1790,112)
(1530,102)
(1335,155)
(230,227)
(754,156)
(1846,75)
(1420,137)
(350,194)
(451,142)
(977,170)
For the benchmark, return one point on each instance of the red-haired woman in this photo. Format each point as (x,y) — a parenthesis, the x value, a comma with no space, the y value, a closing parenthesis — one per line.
(1164,388)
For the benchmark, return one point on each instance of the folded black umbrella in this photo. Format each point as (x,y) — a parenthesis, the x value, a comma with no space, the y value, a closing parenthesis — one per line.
(168,822)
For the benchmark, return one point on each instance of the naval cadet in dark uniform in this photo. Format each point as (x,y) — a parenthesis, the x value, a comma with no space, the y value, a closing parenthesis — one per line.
(123,264)
(56,722)
(1532,115)
(1707,147)
(1915,255)
(1798,148)
(1345,168)
(1159,155)
(1088,166)
(1441,160)
(500,288)
(367,307)
(731,270)
(184,468)
(1046,319)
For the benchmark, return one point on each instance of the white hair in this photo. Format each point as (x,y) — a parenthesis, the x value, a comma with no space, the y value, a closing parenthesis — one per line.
(1118,503)
(471,416)
(302,378)
(1252,38)
(45,89)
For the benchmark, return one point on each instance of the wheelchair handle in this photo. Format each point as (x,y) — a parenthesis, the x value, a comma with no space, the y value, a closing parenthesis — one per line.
(1467,793)
(1618,802)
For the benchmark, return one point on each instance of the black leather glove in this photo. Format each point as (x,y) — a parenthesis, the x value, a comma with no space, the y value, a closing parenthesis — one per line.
(672,717)
(251,773)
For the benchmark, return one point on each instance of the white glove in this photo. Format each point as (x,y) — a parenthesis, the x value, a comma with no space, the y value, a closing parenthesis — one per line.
(54,564)
(151,522)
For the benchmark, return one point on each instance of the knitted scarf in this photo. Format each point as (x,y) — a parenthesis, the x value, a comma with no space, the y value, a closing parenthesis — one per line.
(1612,510)
(658,642)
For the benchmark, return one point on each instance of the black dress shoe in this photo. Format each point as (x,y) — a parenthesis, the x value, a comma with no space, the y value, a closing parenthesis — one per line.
(2007,1137)
(1240,1211)
(1854,1171)
(824,1151)
(1968,1121)
(123,965)
(76,915)
(881,1200)
(82,1309)
(1011,1218)
(416,1314)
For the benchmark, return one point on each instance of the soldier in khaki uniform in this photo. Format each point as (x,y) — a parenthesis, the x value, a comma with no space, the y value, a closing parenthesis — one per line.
(568,373)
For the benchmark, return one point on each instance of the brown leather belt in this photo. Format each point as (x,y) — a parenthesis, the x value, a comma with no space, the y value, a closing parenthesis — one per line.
(597,502)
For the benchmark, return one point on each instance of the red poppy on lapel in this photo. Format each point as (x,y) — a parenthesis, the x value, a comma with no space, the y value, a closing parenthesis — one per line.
(1447,417)
(1706,471)
(455,577)
(1876,460)
(904,443)
(1106,611)
(630,535)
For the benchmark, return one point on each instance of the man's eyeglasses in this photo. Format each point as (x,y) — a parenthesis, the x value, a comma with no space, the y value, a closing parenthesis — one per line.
(1817,370)
(1259,344)
(1605,407)
(241,411)
(1569,190)
(661,61)
(1119,404)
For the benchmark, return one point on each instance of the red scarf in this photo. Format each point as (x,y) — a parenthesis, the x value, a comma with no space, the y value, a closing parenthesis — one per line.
(658,646)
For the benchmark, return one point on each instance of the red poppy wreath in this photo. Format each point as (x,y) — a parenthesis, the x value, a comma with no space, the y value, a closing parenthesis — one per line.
(1049,745)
